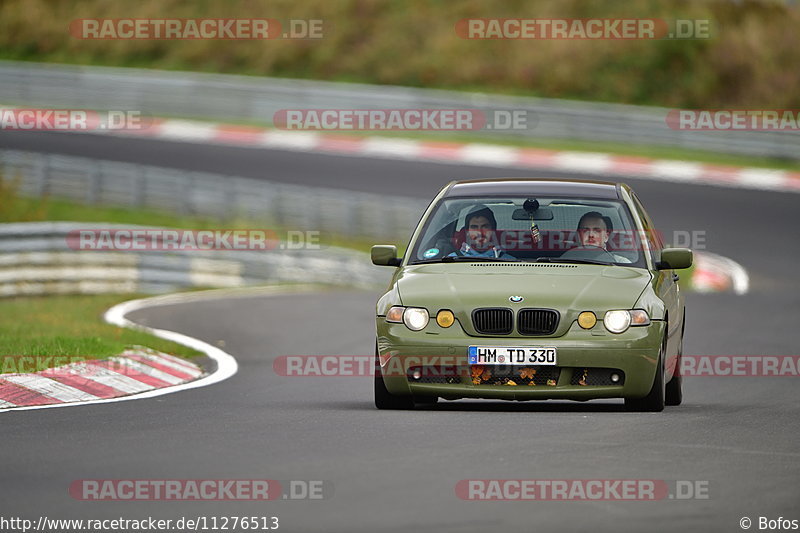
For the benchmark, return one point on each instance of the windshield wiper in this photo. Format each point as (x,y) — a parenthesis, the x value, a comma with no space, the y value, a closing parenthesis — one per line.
(427,261)
(569,260)
(469,258)
(463,258)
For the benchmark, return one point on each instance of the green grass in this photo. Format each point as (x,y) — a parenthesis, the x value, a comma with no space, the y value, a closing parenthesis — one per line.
(70,326)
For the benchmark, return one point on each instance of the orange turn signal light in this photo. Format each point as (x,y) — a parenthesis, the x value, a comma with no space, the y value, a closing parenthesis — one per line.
(395,314)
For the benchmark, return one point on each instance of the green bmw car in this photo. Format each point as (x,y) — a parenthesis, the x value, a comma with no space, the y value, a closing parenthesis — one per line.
(531,289)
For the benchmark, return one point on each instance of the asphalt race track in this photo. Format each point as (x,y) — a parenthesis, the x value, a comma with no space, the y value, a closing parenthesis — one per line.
(397,471)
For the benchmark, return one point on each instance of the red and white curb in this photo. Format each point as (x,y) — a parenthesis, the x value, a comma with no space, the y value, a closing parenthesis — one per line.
(135,370)
(480,154)
(469,153)
(135,374)
(158,371)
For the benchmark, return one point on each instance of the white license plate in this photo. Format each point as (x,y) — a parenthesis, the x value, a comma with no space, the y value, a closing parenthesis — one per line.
(512,355)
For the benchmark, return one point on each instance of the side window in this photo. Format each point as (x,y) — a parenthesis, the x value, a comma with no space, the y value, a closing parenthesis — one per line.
(653,238)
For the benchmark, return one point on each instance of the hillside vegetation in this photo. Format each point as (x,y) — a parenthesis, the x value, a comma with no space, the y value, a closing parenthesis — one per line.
(751,61)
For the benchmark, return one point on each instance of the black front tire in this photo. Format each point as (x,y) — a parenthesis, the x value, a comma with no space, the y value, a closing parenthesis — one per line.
(426,400)
(674,391)
(385,399)
(655,399)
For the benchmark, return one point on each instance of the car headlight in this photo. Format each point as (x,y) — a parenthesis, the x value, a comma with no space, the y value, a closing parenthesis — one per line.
(618,321)
(415,318)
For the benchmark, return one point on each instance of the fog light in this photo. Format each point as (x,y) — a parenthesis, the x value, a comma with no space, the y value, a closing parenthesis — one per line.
(417,374)
(614,378)
(445,318)
(587,320)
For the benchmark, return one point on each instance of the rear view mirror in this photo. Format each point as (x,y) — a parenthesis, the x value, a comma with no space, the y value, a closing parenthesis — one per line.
(675,258)
(385,255)
(542,213)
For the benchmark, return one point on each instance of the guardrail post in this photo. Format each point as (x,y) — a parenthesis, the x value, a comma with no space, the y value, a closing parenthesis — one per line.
(231,195)
(186,196)
(43,174)
(93,185)
(277,206)
(140,193)
(7,174)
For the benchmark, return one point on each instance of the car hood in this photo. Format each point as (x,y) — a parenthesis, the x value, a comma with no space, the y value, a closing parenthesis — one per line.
(567,288)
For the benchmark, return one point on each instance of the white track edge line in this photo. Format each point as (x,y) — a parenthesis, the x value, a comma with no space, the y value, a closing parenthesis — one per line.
(226,363)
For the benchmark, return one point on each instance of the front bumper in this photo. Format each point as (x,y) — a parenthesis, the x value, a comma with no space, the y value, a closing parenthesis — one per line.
(632,354)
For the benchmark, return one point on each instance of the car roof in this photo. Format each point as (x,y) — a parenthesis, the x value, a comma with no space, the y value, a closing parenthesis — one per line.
(534,186)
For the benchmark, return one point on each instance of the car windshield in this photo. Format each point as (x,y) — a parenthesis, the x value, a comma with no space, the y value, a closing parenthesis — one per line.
(574,230)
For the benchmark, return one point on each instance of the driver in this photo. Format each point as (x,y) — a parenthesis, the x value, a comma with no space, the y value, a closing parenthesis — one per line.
(594,230)
(480,241)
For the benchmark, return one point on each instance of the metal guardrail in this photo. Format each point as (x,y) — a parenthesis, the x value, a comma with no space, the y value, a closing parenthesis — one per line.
(246,98)
(35,258)
(216,196)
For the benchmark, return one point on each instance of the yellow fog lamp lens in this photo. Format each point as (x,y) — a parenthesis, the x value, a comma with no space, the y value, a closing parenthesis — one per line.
(445,318)
(587,320)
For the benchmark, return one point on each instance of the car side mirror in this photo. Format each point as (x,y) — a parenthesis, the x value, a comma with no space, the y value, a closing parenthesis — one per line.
(385,255)
(674,258)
